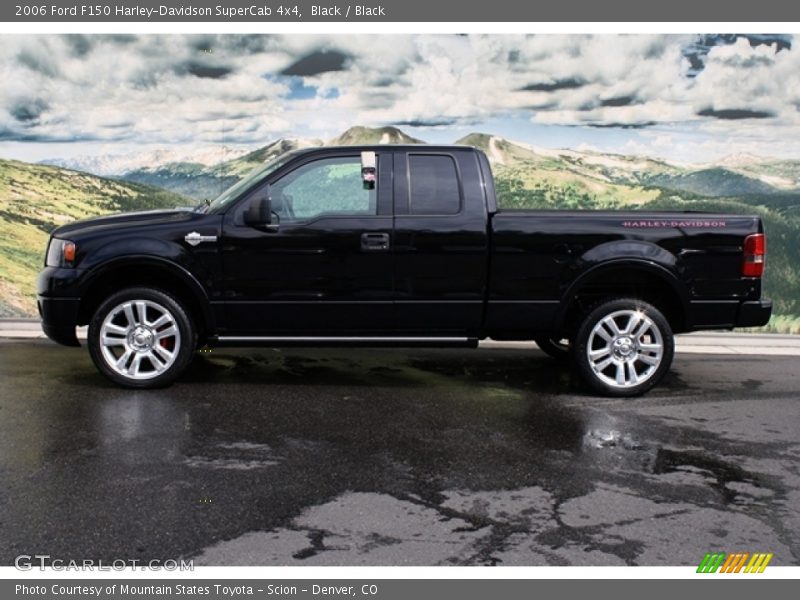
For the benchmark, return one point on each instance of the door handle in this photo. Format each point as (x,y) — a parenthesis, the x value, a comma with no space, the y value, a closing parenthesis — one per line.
(374,242)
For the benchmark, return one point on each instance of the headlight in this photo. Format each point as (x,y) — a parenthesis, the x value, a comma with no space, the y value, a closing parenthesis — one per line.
(60,253)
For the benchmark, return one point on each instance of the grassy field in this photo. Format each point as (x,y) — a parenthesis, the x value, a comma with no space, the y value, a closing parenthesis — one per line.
(531,186)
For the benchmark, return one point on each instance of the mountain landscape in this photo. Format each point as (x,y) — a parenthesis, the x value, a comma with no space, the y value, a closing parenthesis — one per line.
(35,198)
(608,178)
(207,182)
(109,165)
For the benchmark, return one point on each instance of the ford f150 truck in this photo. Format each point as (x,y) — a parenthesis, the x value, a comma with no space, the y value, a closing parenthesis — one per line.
(397,245)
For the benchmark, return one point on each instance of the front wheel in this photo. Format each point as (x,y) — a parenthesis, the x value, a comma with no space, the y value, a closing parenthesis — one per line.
(141,338)
(624,347)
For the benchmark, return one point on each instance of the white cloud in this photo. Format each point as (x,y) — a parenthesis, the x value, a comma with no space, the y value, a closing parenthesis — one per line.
(211,89)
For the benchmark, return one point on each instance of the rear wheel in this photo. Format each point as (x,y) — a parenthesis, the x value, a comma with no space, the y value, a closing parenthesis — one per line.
(557,348)
(624,347)
(141,338)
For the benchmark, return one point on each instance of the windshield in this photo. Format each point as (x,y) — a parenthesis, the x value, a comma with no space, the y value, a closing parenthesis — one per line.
(255,177)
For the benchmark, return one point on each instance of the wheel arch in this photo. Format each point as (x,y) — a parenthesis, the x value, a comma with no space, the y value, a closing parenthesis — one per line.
(150,271)
(626,277)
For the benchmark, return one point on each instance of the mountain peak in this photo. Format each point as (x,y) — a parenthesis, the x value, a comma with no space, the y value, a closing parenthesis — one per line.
(501,151)
(276,148)
(358,135)
(476,140)
(743,159)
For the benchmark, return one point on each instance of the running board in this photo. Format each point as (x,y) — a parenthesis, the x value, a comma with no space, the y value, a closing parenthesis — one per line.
(245,340)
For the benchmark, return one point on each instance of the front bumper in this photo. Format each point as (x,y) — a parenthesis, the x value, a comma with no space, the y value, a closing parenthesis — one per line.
(58,302)
(59,319)
(754,314)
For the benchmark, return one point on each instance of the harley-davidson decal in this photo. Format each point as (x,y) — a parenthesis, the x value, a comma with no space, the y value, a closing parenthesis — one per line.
(676,224)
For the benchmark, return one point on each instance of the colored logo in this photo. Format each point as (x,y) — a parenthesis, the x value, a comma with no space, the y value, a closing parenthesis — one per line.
(734,563)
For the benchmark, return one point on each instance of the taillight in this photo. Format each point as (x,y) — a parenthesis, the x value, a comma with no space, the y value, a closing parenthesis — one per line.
(753,254)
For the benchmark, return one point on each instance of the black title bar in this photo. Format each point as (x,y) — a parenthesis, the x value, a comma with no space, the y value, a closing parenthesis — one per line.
(338,11)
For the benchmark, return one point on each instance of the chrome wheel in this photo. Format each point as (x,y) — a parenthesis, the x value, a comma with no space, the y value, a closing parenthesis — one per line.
(139,339)
(625,348)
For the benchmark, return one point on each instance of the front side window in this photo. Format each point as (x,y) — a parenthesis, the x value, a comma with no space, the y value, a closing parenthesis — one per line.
(325,187)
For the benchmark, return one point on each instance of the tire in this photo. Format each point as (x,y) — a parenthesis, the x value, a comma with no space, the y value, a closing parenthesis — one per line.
(156,346)
(623,347)
(558,349)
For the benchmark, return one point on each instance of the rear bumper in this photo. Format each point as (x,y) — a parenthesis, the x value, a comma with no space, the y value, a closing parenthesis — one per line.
(727,314)
(59,319)
(754,314)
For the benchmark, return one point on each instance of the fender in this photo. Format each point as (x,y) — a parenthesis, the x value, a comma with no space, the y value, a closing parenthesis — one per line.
(165,265)
(633,249)
(625,254)
(140,247)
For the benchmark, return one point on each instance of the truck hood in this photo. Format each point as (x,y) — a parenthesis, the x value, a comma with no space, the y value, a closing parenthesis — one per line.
(147,218)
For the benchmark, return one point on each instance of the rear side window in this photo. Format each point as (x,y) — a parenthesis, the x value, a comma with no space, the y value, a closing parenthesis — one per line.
(434,188)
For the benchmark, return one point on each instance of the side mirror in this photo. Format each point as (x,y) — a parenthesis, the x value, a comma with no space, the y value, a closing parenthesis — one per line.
(259,213)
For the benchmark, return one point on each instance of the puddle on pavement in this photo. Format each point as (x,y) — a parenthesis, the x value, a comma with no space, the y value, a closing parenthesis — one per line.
(610,438)
(727,478)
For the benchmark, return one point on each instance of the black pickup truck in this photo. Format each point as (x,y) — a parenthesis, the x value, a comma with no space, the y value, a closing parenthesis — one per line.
(397,245)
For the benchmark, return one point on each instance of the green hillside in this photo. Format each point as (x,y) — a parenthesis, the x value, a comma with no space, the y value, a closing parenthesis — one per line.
(557,186)
(194,180)
(714,182)
(603,174)
(34,199)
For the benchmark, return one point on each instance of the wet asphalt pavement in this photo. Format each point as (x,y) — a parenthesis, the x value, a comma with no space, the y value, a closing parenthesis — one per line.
(397,457)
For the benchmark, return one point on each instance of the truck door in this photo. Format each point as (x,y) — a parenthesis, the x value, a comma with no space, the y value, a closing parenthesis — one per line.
(440,242)
(326,269)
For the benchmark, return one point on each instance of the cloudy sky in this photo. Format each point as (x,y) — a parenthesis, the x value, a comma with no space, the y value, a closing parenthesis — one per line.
(685,97)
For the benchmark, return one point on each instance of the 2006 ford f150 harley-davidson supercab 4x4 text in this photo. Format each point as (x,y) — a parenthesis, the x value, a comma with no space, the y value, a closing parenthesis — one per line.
(397,245)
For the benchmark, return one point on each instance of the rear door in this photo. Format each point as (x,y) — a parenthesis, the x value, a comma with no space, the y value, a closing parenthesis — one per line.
(440,243)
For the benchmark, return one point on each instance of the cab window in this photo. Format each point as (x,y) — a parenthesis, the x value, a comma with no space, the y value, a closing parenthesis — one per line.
(433,185)
(324,187)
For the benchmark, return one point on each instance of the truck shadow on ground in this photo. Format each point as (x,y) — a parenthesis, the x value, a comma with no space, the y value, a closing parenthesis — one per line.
(515,368)
(384,367)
